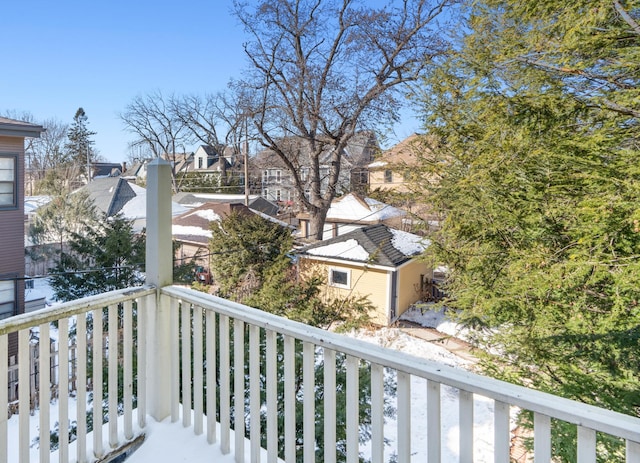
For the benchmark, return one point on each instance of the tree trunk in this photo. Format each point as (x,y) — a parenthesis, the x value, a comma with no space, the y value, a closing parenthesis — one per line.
(317,218)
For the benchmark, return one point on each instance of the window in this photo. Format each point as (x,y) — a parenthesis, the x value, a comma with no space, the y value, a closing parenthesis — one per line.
(200,163)
(388,176)
(278,174)
(7,298)
(304,174)
(340,278)
(8,181)
(278,195)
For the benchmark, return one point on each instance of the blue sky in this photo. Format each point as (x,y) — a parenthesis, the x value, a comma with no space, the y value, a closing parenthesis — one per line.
(99,55)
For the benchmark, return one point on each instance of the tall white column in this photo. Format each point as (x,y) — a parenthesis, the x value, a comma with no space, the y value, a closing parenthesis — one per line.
(159,270)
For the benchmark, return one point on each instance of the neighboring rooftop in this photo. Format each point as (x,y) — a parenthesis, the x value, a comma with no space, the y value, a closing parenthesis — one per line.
(14,128)
(375,244)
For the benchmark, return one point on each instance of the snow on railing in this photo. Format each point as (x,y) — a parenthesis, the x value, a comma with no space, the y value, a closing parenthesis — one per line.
(212,339)
(71,327)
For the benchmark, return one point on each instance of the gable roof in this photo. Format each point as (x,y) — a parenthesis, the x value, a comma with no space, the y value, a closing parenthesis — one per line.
(109,194)
(356,208)
(195,225)
(375,245)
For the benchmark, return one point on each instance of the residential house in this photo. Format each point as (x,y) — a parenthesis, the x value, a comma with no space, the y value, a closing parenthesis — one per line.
(136,173)
(278,184)
(12,137)
(114,195)
(391,174)
(192,230)
(377,262)
(390,170)
(350,212)
(105,169)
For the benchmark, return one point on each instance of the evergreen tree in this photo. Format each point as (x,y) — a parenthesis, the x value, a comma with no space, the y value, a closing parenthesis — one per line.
(539,185)
(101,258)
(79,148)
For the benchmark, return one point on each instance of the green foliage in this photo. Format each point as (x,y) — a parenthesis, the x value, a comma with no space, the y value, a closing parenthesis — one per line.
(209,183)
(540,186)
(101,258)
(59,219)
(79,146)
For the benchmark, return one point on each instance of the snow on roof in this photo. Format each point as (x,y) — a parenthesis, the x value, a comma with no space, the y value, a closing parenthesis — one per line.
(186,230)
(351,207)
(136,208)
(206,214)
(349,249)
(408,243)
(373,165)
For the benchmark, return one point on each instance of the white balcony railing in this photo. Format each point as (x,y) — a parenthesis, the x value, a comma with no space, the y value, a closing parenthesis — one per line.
(238,375)
(210,340)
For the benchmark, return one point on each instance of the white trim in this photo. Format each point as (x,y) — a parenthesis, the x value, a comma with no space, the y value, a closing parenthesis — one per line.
(331,260)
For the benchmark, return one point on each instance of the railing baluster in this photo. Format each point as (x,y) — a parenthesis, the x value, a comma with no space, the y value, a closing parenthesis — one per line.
(174,333)
(112,392)
(272,396)
(502,438)
(329,405)
(254,392)
(541,438)
(44,393)
(81,362)
(4,398)
(24,393)
(185,363)
(289,400)
(377,413)
(63,389)
(141,344)
(97,382)
(309,404)
(238,388)
(633,452)
(197,371)
(586,445)
(403,396)
(353,409)
(127,374)
(225,399)
(433,421)
(465,414)
(211,375)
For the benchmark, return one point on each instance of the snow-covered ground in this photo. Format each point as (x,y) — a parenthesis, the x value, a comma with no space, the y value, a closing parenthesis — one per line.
(168,442)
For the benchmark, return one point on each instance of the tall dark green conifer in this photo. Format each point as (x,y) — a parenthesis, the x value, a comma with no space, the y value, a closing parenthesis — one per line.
(79,147)
(537,118)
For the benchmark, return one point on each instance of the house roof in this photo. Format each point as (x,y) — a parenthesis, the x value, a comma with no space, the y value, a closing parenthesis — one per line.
(195,225)
(14,128)
(404,153)
(375,245)
(109,194)
(355,208)
(106,169)
(358,152)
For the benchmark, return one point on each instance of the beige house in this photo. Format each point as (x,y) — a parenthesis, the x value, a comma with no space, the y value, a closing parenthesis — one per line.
(377,262)
(389,171)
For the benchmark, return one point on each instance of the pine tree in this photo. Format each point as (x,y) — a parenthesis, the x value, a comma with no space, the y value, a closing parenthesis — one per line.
(79,147)
(102,258)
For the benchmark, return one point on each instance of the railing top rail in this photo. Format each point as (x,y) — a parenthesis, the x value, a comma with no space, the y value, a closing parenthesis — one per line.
(68,309)
(599,419)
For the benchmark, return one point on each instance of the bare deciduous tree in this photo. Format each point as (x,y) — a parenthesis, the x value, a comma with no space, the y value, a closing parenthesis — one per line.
(321,70)
(151,119)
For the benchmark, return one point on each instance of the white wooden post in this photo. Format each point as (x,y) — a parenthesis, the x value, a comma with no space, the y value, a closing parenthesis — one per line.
(159,270)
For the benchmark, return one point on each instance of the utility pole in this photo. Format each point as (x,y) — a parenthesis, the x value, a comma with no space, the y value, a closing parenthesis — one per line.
(246,163)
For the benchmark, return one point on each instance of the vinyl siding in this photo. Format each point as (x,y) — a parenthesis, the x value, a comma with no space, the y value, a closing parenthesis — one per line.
(12,229)
(409,284)
(371,283)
